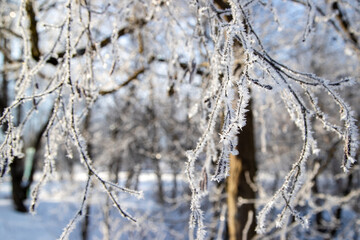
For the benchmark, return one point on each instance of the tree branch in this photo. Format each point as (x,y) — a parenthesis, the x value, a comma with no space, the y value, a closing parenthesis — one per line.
(11,32)
(345,24)
(129,80)
(106,41)
(134,76)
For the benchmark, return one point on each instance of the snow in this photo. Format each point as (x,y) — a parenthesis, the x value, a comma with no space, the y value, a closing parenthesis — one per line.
(51,217)
(15,225)
(60,200)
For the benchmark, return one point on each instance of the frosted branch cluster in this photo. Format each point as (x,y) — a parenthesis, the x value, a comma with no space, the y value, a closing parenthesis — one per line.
(259,69)
(216,52)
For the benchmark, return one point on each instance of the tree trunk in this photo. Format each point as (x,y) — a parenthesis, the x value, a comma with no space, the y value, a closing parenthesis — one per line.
(174,188)
(241,220)
(158,173)
(18,190)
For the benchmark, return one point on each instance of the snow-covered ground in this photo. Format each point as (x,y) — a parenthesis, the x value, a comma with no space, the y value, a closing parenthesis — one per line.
(52,215)
(60,200)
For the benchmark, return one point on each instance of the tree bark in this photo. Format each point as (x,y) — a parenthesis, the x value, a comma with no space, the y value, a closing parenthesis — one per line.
(18,190)
(242,169)
(242,172)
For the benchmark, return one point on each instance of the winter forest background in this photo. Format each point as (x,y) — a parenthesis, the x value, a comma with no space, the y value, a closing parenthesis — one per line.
(191,119)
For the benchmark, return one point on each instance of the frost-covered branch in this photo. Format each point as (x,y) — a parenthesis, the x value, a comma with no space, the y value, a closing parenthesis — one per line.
(290,83)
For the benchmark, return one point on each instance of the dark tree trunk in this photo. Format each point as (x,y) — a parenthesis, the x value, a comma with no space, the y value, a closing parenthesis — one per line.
(129,179)
(3,98)
(158,174)
(4,94)
(17,166)
(174,188)
(21,188)
(17,173)
(242,172)
(18,190)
